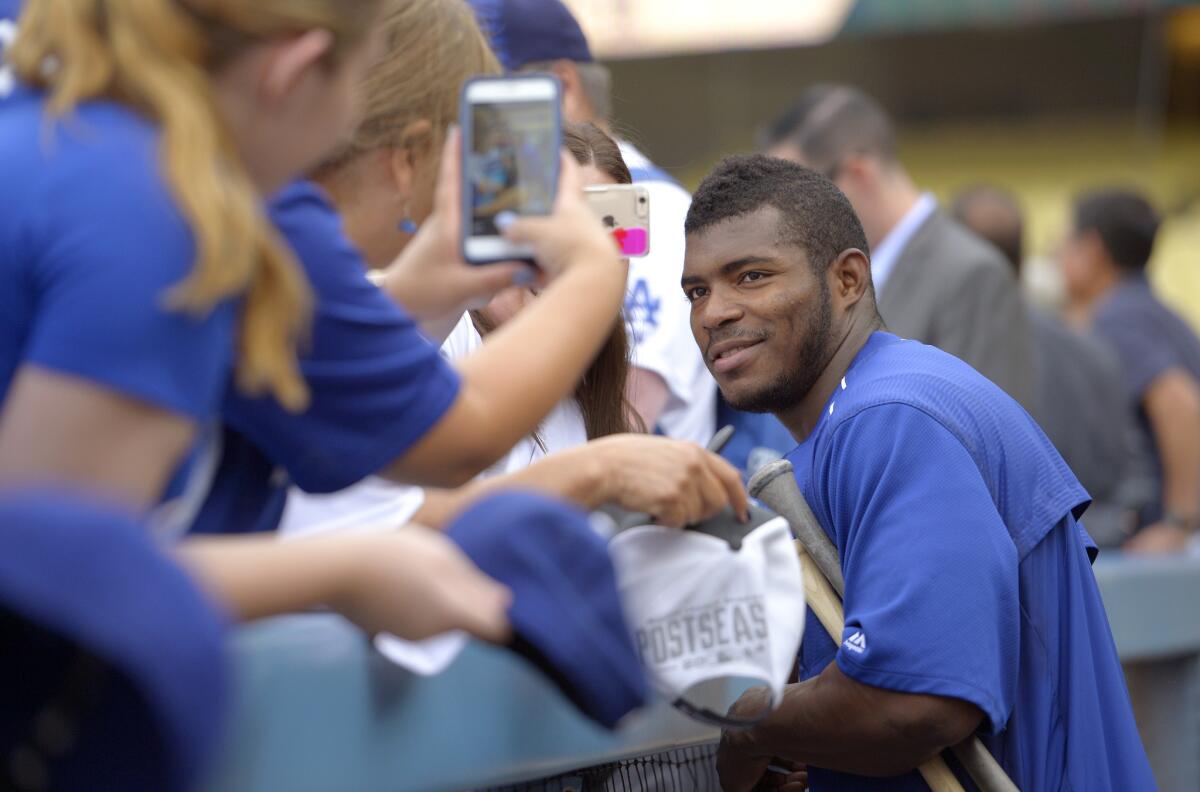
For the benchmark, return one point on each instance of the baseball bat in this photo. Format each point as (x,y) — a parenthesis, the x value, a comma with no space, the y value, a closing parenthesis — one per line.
(775,485)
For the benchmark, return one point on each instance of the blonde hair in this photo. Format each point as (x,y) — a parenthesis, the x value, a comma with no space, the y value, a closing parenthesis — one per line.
(156,56)
(431,47)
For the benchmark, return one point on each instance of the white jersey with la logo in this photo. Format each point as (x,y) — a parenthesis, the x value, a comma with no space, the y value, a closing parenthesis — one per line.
(658,315)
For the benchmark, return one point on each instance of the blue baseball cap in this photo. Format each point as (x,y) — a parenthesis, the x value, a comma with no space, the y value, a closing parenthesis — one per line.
(566,613)
(531,31)
(106,636)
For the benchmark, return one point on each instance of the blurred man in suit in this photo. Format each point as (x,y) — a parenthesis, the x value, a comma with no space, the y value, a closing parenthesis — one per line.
(1078,390)
(935,281)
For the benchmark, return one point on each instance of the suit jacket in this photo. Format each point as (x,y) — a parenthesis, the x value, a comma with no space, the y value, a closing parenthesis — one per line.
(1080,403)
(952,290)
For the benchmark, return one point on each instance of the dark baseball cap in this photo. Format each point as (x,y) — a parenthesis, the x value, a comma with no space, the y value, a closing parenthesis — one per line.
(106,637)
(566,614)
(531,31)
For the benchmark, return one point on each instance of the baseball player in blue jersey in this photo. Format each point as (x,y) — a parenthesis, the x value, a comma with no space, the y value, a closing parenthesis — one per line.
(970,603)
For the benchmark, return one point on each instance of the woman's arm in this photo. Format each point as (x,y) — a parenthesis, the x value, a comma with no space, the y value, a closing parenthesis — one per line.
(536,359)
(677,482)
(413,582)
(59,429)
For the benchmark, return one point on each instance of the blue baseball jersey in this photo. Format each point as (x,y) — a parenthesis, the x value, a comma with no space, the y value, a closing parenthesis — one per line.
(91,245)
(377,385)
(967,573)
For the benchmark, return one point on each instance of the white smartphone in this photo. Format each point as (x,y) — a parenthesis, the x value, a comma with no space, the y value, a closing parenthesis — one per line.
(624,209)
(511,138)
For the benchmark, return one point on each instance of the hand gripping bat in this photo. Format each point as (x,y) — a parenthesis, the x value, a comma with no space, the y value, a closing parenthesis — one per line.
(775,485)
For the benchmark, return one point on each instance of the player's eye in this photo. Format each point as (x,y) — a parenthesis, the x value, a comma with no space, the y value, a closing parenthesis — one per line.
(753,275)
(695,293)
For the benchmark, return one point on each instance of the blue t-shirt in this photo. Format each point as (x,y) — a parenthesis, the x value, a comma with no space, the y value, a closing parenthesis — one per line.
(1149,339)
(377,386)
(91,243)
(966,572)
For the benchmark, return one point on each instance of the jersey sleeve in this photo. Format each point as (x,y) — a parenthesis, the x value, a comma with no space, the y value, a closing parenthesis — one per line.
(377,386)
(106,246)
(931,573)
(657,313)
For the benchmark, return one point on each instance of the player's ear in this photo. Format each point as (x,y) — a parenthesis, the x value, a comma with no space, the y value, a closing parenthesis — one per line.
(851,276)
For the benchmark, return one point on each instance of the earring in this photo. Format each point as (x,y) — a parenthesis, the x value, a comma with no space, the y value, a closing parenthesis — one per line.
(406,225)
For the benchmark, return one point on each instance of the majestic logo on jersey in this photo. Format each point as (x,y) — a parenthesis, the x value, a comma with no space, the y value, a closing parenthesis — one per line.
(856,643)
(8,34)
(641,310)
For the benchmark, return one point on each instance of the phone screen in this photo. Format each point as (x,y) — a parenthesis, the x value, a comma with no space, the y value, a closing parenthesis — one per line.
(512,161)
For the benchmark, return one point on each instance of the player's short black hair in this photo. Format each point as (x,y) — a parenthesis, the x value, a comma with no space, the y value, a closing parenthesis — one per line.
(816,215)
(829,122)
(1125,222)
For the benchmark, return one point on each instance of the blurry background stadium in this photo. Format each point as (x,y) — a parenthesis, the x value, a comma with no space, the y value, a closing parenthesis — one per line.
(1045,97)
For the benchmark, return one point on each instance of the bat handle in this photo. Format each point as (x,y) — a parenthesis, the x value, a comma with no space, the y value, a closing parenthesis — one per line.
(775,485)
(828,610)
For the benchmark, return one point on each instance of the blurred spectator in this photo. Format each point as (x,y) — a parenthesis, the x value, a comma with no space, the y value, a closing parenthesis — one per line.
(1104,266)
(1077,383)
(935,282)
(670,387)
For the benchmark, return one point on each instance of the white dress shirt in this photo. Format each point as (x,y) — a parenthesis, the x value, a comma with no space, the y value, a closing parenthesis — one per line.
(887,252)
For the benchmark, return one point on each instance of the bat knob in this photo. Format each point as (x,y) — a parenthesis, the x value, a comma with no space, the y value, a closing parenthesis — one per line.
(766,474)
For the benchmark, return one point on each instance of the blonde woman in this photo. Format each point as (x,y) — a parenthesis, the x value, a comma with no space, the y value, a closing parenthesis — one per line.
(383,402)
(138,275)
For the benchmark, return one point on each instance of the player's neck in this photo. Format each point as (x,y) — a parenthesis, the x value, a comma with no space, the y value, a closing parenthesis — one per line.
(802,418)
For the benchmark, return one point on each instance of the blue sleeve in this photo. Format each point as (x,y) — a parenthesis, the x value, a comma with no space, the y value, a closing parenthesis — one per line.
(377,385)
(931,572)
(106,245)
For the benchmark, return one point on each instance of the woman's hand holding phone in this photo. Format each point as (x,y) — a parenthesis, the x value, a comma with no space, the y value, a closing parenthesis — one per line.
(430,278)
(433,282)
(571,236)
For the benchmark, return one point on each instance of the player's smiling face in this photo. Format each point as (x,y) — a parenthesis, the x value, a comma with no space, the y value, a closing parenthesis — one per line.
(760,314)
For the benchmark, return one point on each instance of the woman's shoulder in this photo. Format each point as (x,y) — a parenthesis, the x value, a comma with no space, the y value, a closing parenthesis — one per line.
(98,162)
(100,129)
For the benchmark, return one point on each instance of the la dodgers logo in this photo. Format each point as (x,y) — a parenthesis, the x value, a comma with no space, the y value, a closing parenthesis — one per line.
(641,309)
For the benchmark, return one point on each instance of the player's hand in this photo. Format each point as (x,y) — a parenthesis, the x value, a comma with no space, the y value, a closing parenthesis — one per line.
(677,482)
(430,278)
(571,236)
(740,767)
(1159,539)
(796,780)
(415,583)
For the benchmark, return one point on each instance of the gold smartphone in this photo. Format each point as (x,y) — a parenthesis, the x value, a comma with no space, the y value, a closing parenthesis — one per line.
(625,211)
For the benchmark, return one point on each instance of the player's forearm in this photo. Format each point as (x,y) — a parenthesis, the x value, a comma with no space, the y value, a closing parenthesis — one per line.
(833,722)
(259,576)
(1173,407)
